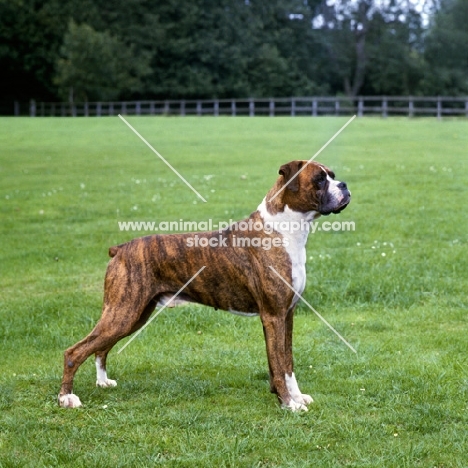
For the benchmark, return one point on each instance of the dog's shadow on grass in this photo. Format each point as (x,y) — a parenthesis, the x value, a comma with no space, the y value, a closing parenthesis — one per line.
(177,385)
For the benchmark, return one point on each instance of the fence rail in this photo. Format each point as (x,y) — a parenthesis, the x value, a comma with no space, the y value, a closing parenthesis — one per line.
(295,106)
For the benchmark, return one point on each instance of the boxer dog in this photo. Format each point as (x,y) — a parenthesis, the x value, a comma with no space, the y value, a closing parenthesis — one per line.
(238,277)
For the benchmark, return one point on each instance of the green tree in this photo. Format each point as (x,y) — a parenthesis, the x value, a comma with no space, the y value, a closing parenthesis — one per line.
(396,61)
(282,56)
(97,66)
(446,50)
(371,47)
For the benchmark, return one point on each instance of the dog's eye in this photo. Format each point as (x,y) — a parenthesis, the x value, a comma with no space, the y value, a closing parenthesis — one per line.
(321,185)
(320,180)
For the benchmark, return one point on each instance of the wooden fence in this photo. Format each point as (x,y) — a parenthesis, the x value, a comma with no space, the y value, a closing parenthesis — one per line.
(296,106)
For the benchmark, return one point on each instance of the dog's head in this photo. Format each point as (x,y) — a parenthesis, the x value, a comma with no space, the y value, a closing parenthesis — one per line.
(312,187)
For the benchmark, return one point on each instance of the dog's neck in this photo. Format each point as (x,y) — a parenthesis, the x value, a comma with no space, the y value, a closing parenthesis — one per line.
(292,224)
(273,200)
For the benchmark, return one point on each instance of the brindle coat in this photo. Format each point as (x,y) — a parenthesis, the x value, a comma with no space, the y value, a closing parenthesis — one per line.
(147,269)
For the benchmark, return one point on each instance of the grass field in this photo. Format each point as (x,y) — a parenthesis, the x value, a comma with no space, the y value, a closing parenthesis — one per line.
(193,387)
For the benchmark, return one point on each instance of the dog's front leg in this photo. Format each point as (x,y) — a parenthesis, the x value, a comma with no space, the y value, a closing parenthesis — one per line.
(291,382)
(275,336)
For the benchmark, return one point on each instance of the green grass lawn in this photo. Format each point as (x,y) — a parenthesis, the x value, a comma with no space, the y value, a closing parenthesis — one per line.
(193,387)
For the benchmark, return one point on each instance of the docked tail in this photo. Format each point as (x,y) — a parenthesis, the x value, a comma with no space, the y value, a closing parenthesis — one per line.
(114,249)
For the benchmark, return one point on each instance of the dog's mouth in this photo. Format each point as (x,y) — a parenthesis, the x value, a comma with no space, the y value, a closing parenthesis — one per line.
(341,206)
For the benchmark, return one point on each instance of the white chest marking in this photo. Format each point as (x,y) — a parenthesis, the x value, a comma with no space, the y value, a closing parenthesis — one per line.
(286,223)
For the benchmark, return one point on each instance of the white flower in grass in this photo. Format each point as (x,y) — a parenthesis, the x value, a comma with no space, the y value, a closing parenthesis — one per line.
(82,186)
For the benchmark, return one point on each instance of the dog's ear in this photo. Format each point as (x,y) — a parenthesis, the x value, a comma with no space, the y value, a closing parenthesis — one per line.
(288,171)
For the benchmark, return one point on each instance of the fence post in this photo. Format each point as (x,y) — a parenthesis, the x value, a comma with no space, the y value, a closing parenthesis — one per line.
(32,108)
(466,108)
(166,107)
(337,106)
(98,109)
(138,108)
(384,107)
(251,108)
(439,108)
(182,108)
(271,108)
(73,110)
(52,110)
(314,107)
(199,108)
(86,109)
(152,108)
(111,108)
(293,107)
(360,107)
(411,107)
(16,108)
(124,108)
(216,108)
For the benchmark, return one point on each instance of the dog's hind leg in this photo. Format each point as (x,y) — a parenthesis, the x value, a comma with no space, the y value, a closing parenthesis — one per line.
(101,373)
(129,299)
(108,331)
(101,356)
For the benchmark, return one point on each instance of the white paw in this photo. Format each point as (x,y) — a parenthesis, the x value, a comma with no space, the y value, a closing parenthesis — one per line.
(294,391)
(306,399)
(106,383)
(294,406)
(69,401)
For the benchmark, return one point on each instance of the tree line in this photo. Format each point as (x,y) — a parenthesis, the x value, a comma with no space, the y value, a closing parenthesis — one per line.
(90,50)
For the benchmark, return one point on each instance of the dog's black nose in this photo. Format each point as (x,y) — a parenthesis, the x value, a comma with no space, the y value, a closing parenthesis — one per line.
(342,186)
